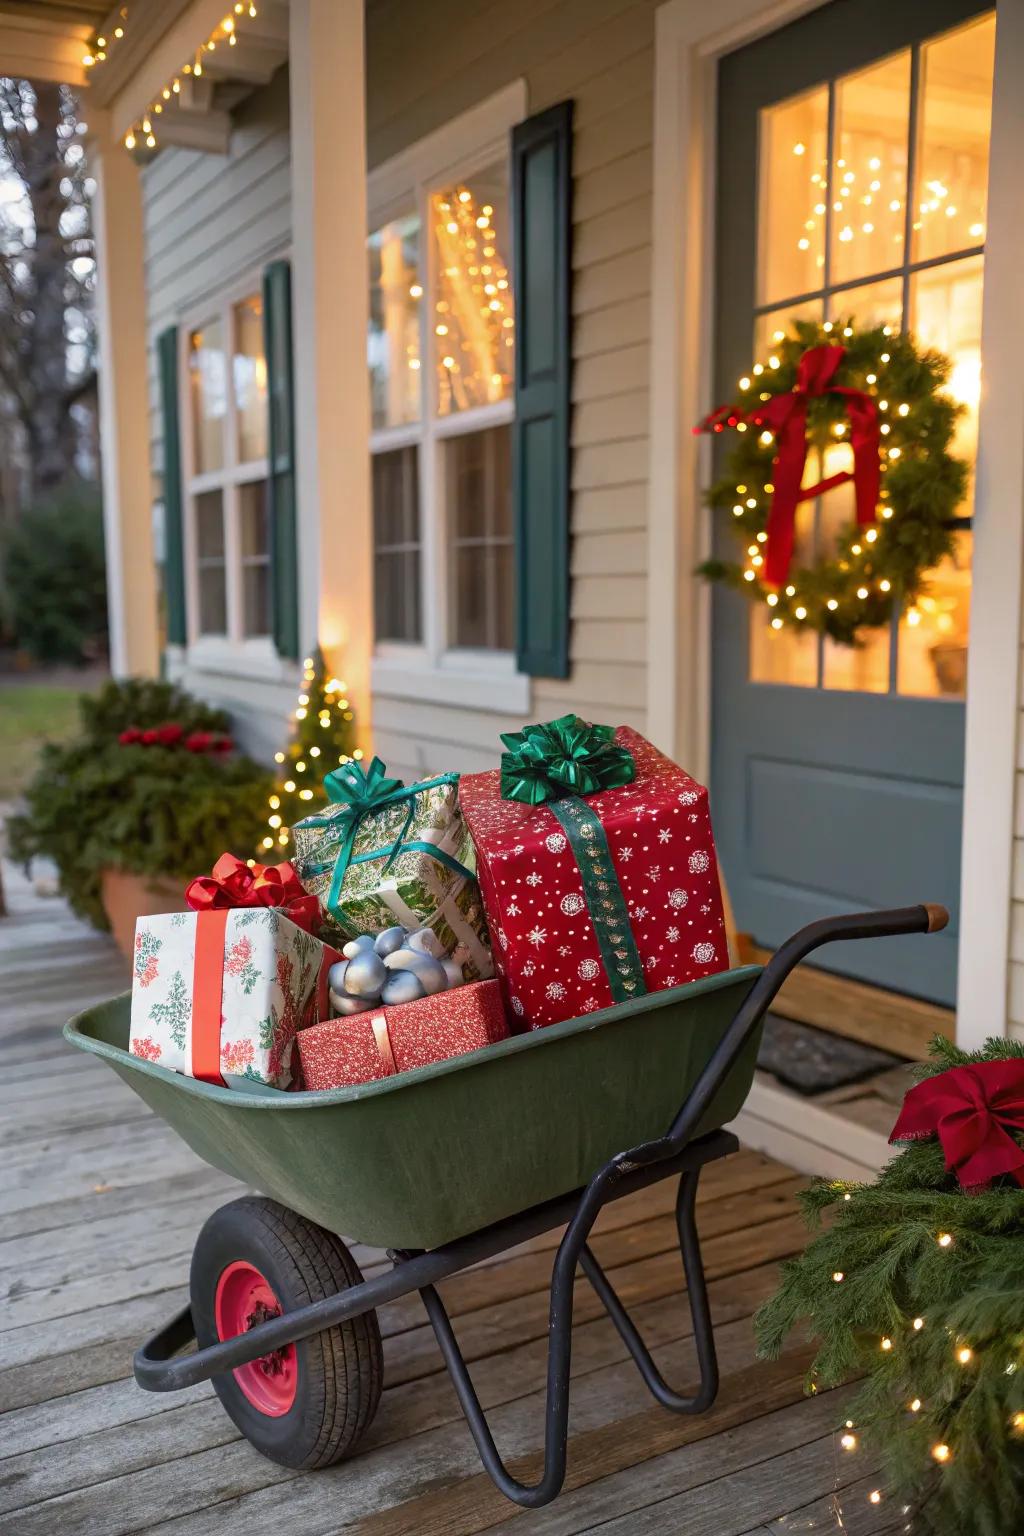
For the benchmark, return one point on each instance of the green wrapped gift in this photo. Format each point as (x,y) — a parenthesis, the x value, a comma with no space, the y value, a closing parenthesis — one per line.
(383,853)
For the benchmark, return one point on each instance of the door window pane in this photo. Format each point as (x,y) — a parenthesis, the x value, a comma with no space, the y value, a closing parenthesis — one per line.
(393,341)
(209,391)
(473,319)
(209,526)
(933,634)
(953,140)
(773,325)
(250,378)
(794,186)
(254,543)
(478,472)
(869,178)
(872,304)
(396,526)
(945,309)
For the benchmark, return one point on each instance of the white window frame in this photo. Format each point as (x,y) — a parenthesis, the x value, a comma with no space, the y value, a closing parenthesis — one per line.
(247,655)
(432,670)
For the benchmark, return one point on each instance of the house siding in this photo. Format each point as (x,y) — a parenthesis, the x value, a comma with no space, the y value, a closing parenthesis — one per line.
(601,54)
(210,219)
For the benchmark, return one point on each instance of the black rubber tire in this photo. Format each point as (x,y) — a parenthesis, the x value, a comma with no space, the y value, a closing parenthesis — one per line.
(340,1371)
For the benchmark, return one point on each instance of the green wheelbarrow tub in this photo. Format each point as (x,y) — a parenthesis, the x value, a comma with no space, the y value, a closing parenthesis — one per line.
(416,1160)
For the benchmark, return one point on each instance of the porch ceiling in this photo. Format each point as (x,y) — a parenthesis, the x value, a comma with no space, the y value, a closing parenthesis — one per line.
(47,39)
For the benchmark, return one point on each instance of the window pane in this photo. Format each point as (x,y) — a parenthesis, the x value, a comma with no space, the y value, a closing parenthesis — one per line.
(774,325)
(791,217)
(956,110)
(478,473)
(396,566)
(869,180)
(871,304)
(250,371)
(933,635)
(945,312)
(393,341)
(864,666)
(209,526)
(473,317)
(254,540)
(209,389)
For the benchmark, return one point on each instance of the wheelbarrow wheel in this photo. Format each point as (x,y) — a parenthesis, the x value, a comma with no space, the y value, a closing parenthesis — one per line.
(306,1405)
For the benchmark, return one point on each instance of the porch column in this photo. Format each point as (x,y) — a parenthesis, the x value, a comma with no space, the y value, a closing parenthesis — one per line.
(124,405)
(332,427)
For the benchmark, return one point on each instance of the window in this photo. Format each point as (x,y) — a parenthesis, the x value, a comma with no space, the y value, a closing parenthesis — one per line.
(226,473)
(440,353)
(872,203)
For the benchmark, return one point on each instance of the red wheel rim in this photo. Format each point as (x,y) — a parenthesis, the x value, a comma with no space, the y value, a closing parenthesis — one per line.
(244,1299)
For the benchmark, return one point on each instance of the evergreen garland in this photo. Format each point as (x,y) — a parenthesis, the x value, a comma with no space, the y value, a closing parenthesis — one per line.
(922,483)
(919,1289)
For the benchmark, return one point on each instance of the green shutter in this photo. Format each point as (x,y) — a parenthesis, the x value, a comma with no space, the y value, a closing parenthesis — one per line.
(284,568)
(174,544)
(542,265)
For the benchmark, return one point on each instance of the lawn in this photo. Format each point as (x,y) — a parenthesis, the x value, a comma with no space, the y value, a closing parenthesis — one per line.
(31,713)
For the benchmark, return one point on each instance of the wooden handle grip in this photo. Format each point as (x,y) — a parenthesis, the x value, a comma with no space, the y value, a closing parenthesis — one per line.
(938,917)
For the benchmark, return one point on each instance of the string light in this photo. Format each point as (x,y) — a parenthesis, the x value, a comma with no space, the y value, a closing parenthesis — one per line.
(941,1453)
(915,1406)
(945,1239)
(886,1345)
(848,1442)
(226,30)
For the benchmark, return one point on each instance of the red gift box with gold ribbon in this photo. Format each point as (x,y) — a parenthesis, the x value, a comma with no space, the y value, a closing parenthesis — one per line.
(363,1047)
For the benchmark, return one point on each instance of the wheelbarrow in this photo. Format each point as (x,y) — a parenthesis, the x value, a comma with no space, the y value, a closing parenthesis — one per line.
(446,1166)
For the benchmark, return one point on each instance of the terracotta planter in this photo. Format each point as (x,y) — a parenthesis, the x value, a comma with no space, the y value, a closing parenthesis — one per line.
(126,897)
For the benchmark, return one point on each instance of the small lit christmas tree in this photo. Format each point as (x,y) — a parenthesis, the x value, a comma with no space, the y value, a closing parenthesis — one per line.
(323,735)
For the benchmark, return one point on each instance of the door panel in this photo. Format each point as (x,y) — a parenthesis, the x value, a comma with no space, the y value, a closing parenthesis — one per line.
(852,173)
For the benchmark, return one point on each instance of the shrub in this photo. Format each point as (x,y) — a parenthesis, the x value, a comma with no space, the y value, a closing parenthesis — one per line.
(151,807)
(54,578)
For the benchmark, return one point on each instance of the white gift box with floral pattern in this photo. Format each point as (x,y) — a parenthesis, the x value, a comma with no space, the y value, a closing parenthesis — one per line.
(270,976)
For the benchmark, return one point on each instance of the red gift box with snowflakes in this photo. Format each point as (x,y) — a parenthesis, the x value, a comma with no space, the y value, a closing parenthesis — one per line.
(596,899)
(363,1047)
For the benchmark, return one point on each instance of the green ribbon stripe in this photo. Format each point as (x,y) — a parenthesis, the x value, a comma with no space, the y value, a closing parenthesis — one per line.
(603,895)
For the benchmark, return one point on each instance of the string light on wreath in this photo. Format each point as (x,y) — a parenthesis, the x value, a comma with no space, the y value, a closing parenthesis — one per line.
(874,397)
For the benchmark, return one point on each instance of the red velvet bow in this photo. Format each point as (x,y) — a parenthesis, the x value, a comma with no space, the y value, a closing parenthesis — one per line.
(786,416)
(972,1110)
(234,883)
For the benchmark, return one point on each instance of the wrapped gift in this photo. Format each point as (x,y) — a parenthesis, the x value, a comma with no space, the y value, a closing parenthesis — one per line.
(383,854)
(339,1052)
(597,867)
(219,991)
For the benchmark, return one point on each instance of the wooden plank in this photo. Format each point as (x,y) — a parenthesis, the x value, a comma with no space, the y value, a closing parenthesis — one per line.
(689,1467)
(887,1020)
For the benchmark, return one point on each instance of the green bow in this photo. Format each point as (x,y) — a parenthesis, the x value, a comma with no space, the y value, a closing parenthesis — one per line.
(363,791)
(567,756)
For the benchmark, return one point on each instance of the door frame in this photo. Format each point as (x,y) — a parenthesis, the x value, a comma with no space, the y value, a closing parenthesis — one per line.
(689,41)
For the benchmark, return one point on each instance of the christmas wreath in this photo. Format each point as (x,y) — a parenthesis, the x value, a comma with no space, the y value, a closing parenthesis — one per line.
(878,392)
(917,1286)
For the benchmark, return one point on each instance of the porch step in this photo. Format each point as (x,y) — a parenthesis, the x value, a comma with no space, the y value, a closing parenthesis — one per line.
(888,1020)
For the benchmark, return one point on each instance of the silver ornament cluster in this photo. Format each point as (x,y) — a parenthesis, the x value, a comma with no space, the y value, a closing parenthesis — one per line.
(396,966)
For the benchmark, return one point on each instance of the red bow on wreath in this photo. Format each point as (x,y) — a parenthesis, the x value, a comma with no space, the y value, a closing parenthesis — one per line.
(234,883)
(972,1110)
(786,416)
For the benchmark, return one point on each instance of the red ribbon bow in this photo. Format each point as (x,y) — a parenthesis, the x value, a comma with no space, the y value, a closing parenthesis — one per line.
(972,1110)
(786,416)
(234,883)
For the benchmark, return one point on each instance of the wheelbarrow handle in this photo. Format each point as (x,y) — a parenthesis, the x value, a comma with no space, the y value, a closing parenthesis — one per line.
(928,917)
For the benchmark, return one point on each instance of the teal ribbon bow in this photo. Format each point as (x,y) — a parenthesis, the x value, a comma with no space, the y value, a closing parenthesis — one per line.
(365,792)
(567,756)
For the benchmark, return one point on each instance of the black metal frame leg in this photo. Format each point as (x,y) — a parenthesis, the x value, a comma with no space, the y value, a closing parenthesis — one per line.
(574,1250)
(700,1311)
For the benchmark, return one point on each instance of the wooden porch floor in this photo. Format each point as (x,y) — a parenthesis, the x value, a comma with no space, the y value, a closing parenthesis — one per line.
(99,1207)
